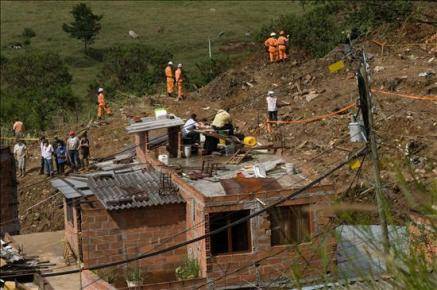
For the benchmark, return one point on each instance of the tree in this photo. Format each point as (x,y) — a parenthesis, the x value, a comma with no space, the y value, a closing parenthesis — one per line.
(85,26)
(133,68)
(34,87)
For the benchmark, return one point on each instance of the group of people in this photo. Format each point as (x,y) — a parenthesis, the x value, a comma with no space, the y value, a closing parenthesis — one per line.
(277,47)
(64,152)
(175,77)
(221,124)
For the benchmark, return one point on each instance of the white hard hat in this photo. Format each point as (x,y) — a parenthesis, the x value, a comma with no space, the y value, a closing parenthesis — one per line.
(100,90)
(272,34)
(180,65)
(270,93)
(170,63)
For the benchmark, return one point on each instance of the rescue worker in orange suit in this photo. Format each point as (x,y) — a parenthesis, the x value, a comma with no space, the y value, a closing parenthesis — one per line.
(271,44)
(170,78)
(282,46)
(179,76)
(102,107)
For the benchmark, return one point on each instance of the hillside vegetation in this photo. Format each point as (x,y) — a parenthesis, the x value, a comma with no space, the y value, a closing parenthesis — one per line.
(183,28)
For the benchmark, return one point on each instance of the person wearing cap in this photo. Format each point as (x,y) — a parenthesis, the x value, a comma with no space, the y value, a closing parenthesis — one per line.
(170,78)
(73,150)
(179,76)
(282,46)
(271,44)
(272,108)
(102,107)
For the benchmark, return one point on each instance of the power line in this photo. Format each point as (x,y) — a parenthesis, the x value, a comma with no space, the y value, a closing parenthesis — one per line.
(250,216)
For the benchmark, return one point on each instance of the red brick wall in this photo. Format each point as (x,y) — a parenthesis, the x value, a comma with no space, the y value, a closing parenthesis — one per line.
(173,285)
(117,235)
(91,281)
(306,256)
(71,230)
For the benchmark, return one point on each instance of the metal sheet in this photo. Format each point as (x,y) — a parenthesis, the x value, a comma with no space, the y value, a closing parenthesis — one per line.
(240,185)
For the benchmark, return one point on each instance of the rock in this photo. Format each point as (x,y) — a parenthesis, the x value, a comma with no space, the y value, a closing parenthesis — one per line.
(431,60)
(378,68)
(394,83)
(431,89)
(311,96)
(133,34)
(426,74)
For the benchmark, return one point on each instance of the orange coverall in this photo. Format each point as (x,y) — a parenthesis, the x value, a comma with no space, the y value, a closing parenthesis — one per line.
(282,47)
(179,80)
(271,43)
(102,108)
(170,79)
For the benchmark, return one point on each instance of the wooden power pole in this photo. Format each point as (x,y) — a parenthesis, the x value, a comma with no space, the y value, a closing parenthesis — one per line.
(375,159)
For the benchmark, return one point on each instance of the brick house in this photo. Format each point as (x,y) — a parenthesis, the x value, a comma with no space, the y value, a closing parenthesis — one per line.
(121,213)
(9,222)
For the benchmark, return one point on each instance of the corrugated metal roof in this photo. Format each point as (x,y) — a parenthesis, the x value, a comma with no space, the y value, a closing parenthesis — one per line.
(72,187)
(134,189)
(151,123)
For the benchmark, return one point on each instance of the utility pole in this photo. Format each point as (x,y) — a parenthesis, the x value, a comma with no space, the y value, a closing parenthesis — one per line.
(375,158)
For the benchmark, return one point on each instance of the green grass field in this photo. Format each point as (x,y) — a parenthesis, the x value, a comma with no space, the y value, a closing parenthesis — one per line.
(180,26)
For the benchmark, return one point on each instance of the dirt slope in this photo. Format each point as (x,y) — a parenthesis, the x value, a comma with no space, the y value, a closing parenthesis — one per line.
(311,90)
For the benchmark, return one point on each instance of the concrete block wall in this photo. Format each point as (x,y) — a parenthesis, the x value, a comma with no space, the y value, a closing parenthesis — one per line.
(71,230)
(117,235)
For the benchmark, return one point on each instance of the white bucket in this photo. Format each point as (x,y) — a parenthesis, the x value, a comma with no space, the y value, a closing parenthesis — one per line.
(290,168)
(163,158)
(187,151)
(356,132)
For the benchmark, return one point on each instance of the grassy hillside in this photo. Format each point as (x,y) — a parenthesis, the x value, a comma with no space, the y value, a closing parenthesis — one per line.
(182,27)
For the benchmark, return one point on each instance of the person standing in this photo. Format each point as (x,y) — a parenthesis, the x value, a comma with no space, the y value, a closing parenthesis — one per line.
(18,128)
(55,144)
(47,155)
(179,76)
(20,153)
(271,44)
(282,46)
(272,108)
(41,145)
(61,156)
(84,147)
(73,150)
(102,107)
(170,78)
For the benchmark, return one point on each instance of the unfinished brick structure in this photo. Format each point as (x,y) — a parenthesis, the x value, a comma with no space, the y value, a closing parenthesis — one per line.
(117,221)
(9,222)
(240,246)
(102,225)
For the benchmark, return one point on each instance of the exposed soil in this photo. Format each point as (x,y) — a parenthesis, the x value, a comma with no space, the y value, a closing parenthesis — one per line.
(311,90)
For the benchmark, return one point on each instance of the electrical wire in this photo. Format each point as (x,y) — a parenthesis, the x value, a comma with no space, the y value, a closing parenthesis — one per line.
(202,237)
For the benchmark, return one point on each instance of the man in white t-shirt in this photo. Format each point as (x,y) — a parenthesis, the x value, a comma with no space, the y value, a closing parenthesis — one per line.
(20,153)
(47,152)
(272,107)
(73,150)
(191,137)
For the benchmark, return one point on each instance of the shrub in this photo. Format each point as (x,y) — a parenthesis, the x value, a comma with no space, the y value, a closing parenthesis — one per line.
(34,87)
(134,68)
(319,29)
(188,270)
(28,33)
(208,69)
